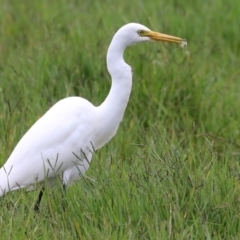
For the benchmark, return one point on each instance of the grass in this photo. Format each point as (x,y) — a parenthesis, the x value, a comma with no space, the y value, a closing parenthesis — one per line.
(175,174)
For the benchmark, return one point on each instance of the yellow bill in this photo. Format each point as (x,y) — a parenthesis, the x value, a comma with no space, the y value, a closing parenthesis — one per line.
(156,36)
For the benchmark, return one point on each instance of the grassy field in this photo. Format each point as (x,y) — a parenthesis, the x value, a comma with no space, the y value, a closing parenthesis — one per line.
(172,171)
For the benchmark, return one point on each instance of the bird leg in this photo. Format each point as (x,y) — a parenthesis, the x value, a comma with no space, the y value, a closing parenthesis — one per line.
(37,204)
(64,202)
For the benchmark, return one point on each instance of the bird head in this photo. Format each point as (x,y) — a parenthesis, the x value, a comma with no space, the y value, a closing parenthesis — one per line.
(134,33)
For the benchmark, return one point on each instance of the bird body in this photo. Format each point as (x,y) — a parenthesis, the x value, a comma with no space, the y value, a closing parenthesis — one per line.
(49,146)
(61,143)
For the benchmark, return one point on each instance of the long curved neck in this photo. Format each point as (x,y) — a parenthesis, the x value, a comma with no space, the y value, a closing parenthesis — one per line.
(111,111)
(121,75)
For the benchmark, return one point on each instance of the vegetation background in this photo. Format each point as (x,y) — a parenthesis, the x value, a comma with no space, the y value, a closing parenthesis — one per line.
(172,171)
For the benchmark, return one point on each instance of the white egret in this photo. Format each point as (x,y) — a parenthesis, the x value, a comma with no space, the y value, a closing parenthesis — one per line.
(61,143)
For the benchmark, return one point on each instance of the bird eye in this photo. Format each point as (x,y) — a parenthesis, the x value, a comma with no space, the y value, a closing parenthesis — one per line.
(140,32)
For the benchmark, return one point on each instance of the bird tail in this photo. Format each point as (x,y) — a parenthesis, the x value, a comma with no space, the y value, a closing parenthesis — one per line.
(4,186)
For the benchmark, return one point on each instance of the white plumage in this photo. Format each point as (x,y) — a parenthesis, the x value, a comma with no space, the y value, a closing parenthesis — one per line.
(62,142)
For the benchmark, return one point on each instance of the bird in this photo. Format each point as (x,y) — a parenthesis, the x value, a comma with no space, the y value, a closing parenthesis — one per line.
(60,145)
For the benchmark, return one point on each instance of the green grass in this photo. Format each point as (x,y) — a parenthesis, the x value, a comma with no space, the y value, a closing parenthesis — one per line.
(172,171)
